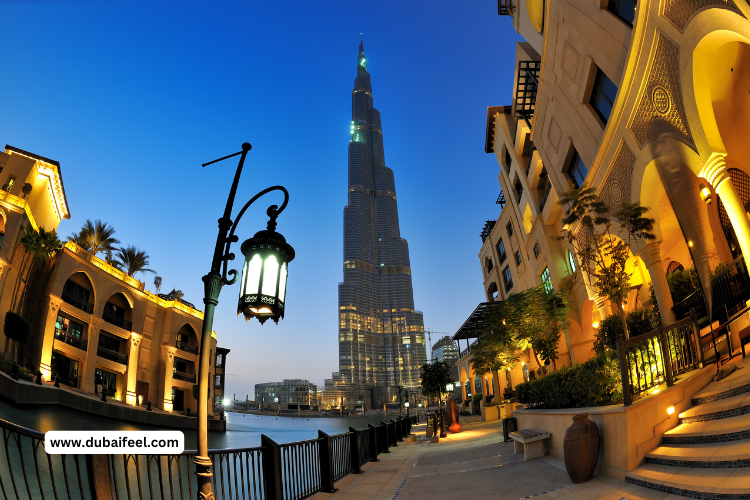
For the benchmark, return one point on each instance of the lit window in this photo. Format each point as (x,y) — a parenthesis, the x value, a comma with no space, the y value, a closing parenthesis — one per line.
(572,261)
(603,95)
(507,279)
(518,258)
(577,171)
(9,185)
(501,251)
(624,9)
(546,279)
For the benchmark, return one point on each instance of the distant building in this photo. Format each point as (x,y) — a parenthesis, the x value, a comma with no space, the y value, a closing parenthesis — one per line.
(220,375)
(446,349)
(289,394)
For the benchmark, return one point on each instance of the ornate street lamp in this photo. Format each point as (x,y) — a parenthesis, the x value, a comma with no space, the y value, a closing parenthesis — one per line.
(407,409)
(262,293)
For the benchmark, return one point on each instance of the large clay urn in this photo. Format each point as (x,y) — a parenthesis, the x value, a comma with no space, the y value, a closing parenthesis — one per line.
(581,448)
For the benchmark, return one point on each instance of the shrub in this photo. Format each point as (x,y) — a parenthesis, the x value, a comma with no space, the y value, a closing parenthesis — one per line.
(16,328)
(609,332)
(593,383)
(639,322)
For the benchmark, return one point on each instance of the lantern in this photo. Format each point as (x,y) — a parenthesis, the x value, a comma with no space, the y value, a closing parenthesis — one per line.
(449,387)
(406,404)
(263,284)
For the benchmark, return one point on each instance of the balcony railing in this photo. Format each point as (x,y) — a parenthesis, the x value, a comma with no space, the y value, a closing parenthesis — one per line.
(76,342)
(114,320)
(111,355)
(730,288)
(501,200)
(528,86)
(505,7)
(487,229)
(77,302)
(466,351)
(185,377)
(184,347)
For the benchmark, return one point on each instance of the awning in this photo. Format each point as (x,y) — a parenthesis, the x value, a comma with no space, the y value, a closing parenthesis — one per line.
(476,324)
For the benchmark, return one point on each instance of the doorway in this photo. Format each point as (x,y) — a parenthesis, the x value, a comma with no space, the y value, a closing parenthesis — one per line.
(66,368)
(178,399)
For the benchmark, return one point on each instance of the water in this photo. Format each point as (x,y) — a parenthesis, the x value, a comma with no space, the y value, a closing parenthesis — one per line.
(243,431)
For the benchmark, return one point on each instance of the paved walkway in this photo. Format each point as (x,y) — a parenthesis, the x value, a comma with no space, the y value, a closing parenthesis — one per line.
(476,463)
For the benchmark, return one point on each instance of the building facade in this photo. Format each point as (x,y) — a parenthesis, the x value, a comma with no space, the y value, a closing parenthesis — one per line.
(220,375)
(289,394)
(591,80)
(381,335)
(446,350)
(92,326)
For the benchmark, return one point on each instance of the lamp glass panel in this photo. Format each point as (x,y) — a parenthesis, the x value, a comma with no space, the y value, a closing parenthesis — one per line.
(252,274)
(282,282)
(270,275)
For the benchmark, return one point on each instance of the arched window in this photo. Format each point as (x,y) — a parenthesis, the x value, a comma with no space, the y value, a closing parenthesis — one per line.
(741,183)
(674,266)
(571,262)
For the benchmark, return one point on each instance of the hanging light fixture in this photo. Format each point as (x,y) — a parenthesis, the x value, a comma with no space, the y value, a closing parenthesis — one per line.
(264,274)
(705,194)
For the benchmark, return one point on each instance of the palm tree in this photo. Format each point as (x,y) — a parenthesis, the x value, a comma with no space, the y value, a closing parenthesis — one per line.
(132,260)
(96,237)
(41,245)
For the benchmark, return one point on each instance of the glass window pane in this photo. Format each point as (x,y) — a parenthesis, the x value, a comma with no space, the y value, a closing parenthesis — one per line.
(282,282)
(270,274)
(252,275)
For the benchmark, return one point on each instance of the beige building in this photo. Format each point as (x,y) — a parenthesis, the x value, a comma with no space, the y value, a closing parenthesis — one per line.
(93,326)
(591,78)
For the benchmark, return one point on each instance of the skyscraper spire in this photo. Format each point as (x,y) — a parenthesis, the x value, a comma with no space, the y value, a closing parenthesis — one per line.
(361,58)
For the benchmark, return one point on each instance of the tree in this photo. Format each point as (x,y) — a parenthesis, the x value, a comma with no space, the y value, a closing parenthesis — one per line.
(95,237)
(157,283)
(26,190)
(41,245)
(16,329)
(435,376)
(602,253)
(132,260)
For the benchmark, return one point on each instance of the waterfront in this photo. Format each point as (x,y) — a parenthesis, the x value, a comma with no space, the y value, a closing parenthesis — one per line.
(243,430)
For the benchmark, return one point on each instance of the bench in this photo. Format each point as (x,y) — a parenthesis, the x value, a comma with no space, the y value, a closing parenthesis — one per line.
(744,339)
(532,442)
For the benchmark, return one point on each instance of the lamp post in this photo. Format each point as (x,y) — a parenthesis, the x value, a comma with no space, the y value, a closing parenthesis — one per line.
(407,409)
(262,293)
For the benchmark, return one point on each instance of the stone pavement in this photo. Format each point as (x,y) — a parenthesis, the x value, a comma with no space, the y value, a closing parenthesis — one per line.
(475,464)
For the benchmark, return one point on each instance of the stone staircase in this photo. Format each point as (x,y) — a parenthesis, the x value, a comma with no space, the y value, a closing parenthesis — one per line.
(708,454)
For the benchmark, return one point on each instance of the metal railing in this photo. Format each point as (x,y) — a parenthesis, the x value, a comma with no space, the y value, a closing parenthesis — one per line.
(184,347)
(117,321)
(269,472)
(186,377)
(730,288)
(77,302)
(69,339)
(466,351)
(657,357)
(527,82)
(111,355)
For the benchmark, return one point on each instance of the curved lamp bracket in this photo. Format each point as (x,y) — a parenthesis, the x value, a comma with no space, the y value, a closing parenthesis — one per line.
(273,212)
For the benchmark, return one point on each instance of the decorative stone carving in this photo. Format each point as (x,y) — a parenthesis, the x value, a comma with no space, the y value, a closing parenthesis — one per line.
(650,254)
(680,12)
(662,97)
(54,305)
(615,190)
(715,170)
(135,341)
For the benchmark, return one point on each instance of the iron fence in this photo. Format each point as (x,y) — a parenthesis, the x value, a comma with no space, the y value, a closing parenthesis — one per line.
(657,357)
(272,471)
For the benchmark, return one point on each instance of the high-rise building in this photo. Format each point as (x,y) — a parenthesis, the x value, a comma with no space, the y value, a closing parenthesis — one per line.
(446,350)
(381,336)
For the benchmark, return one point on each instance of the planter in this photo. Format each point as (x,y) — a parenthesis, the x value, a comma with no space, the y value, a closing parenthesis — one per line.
(490,413)
(581,447)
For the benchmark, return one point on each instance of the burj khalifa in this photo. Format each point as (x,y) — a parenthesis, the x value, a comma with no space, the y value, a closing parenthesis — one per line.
(381,336)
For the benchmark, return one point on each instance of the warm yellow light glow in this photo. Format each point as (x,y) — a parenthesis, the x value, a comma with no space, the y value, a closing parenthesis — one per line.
(690,244)
(596,324)
(503,321)
(670,410)
(655,391)
(509,368)
(262,310)
(523,363)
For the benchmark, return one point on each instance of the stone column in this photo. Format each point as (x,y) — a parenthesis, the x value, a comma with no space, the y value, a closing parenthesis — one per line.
(463,387)
(652,259)
(48,336)
(88,371)
(167,356)
(132,371)
(485,392)
(715,171)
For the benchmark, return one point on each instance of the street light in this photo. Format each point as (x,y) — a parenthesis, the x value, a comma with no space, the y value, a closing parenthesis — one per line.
(261,296)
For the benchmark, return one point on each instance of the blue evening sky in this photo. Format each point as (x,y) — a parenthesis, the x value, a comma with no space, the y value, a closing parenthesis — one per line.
(131,97)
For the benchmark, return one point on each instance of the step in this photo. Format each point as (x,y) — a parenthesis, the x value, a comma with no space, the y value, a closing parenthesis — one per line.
(718,484)
(709,431)
(704,455)
(736,383)
(723,408)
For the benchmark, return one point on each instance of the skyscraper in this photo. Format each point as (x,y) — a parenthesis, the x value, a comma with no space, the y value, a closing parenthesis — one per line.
(381,336)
